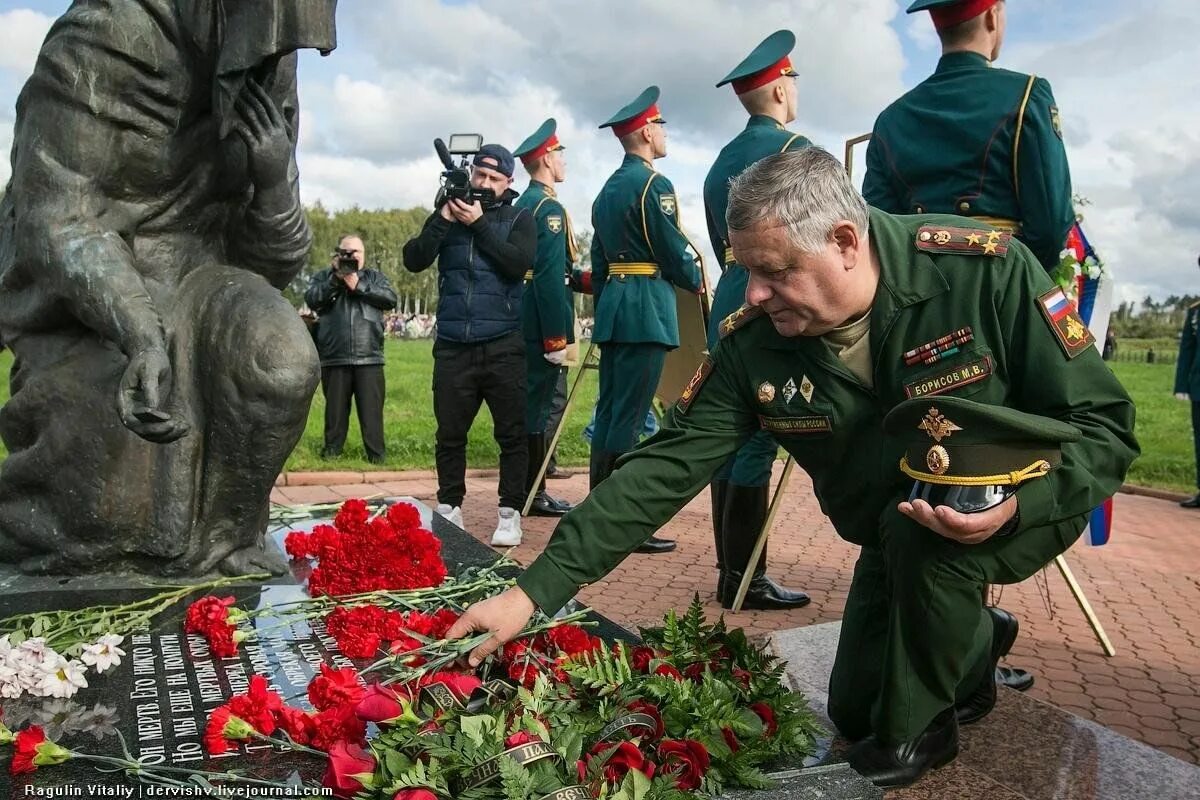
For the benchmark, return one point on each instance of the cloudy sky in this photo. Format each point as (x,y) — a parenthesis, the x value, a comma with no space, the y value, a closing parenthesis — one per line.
(1126,79)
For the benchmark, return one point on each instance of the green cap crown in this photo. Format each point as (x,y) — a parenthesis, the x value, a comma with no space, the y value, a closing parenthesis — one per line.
(537,138)
(639,106)
(769,51)
(925,5)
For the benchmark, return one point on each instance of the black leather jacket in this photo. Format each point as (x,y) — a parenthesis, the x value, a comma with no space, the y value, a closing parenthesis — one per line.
(350,324)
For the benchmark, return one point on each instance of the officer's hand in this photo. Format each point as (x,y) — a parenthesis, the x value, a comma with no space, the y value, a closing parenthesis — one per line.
(1182,396)
(959,527)
(504,616)
(464,212)
(557,357)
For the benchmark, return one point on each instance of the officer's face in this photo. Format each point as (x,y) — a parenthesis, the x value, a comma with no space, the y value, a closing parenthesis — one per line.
(791,98)
(558,165)
(806,294)
(658,139)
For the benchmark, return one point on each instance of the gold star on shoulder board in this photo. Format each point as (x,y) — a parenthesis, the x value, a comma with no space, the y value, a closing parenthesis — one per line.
(974,239)
(937,426)
(993,237)
(989,248)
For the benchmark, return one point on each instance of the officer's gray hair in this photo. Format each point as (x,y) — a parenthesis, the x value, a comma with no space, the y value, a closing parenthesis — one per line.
(806,190)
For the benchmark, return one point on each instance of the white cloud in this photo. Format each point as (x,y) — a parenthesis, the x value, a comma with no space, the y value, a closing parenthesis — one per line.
(21,33)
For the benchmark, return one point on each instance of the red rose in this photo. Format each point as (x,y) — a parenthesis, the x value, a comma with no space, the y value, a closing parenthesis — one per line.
(668,671)
(621,759)
(334,687)
(767,715)
(695,672)
(730,740)
(519,738)
(414,794)
(379,704)
(258,706)
(461,684)
(349,767)
(742,677)
(686,759)
(640,658)
(25,748)
(649,709)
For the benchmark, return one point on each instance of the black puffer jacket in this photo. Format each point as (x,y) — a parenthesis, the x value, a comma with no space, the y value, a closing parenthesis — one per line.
(350,324)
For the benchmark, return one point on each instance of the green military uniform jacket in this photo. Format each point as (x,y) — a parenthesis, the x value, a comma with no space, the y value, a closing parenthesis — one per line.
(977,141)
(761,137)
(547,307)
(935,279)
(639,253)
(1187,368)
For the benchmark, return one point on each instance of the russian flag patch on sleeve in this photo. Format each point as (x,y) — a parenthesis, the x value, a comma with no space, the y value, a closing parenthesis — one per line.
(1073,336)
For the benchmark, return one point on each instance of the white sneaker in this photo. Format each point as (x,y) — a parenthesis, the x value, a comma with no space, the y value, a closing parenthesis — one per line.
(508,529)
(453,515)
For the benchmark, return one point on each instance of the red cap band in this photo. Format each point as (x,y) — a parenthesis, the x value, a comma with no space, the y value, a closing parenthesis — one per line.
(959,13)
(638,122)
(777,70)
(541,150)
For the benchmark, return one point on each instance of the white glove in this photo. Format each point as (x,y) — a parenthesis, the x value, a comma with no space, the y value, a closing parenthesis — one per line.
(1182,396)
(557,358)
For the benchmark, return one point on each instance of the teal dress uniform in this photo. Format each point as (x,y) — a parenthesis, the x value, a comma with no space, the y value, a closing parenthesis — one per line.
(915,636)
(741,486)
(1187,381)
(639,254)
(976,141)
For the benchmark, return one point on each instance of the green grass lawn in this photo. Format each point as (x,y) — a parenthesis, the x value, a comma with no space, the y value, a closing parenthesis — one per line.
(1163,423)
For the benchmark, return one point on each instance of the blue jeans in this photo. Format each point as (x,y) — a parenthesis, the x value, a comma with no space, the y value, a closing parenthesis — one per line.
(648,429)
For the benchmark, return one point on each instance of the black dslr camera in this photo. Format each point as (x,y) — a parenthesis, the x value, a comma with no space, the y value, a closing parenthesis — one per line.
(456,180)
(346,263)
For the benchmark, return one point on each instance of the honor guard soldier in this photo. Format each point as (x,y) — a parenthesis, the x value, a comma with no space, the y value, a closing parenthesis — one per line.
(548,305)
(639,254)
(954,310)
(1187,384)
(975,140)
(765,84)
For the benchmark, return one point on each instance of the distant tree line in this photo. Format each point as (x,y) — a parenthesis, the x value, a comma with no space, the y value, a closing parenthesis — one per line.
(1152,319)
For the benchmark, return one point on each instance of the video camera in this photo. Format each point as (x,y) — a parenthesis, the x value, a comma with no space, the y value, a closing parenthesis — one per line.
(346,263)
(456,180)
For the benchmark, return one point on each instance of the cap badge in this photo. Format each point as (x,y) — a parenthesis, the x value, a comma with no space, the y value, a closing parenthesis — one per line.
(938,460)
(937,426)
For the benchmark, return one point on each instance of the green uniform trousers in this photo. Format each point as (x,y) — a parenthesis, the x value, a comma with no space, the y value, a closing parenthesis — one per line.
(915,606)
(541,380)
(629,375)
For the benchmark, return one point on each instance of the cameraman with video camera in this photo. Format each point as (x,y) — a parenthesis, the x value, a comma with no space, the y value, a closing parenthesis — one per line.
(483,245)
(351,302)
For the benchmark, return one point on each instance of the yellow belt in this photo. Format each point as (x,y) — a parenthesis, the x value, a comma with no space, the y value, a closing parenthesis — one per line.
(631,268)
(1000,223)
(728,255)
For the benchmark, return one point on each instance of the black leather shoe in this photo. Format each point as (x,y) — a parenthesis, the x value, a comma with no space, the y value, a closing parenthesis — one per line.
(893,766)
(1193,503)
(1014,678)
(983,699)
(376,459)
(554,473)
(330,453)
(764,594)
(546,506)
(656,545)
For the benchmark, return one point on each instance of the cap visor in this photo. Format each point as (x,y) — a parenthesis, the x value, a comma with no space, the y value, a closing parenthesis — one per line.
(964,499)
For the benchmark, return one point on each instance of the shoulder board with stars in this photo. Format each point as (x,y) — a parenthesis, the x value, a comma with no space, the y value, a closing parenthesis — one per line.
(962,241)
(740,318)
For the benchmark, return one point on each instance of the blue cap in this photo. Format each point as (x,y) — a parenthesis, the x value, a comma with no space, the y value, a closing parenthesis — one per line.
(503,160)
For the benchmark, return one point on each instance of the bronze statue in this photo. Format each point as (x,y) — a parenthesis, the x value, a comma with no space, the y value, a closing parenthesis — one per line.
(153,215)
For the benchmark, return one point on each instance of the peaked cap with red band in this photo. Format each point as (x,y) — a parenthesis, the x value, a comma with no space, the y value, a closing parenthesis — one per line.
(767,62)
(542,141)
(948,13)
(636,115)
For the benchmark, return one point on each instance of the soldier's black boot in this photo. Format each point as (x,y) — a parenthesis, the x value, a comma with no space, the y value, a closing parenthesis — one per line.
(543,504)
(745,513)
(717,491)
(1193,503)
(981,702)
(890,766)
(599,466)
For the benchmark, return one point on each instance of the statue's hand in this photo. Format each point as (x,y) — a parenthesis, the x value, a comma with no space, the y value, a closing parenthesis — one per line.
(263,129)
(147,377)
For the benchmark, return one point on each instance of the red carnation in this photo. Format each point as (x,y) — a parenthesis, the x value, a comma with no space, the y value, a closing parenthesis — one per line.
(337,725)
(350,769)
(31,749)
(571,640)
(686,759)
(418,623)
(352,516)
(623,757)
(767,715)
(651,710)
(224,727)
(335,687)
(442,620)
(404,516)
(523,673)
(298,544)
(668,671)
(519,738)
(297,724)
(257,706)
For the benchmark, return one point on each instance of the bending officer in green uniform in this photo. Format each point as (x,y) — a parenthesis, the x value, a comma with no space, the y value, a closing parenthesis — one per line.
(765,84)
(547,306)
(975,140)
(639,254)
(940,305)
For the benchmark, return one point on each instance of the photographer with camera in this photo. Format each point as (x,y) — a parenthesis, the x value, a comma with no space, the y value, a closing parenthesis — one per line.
(351,302)
(483,246)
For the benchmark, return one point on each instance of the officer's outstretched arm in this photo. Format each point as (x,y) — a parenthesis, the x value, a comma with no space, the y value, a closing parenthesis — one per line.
(671,248)
(650,485)
(1043,178)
